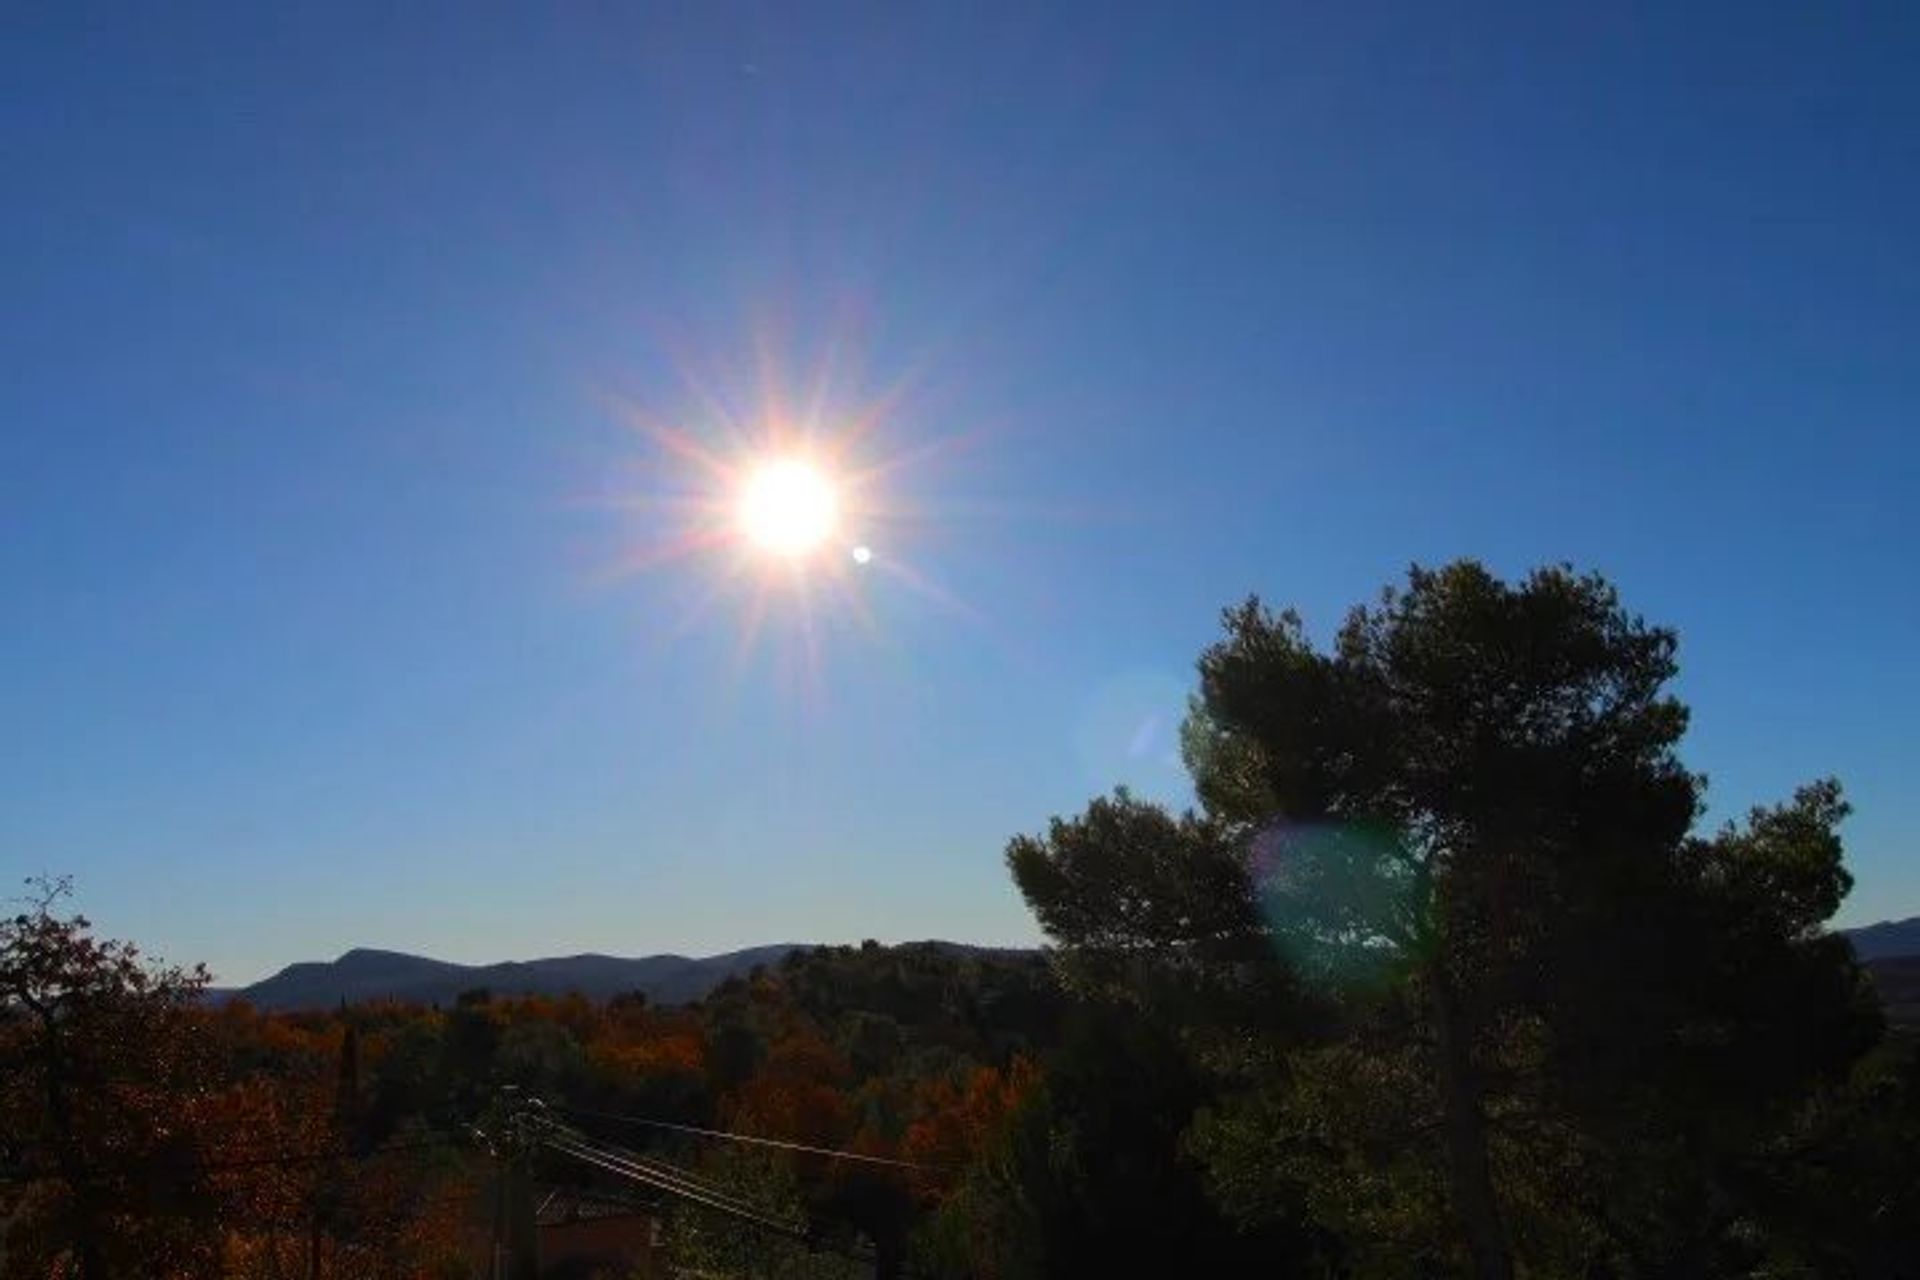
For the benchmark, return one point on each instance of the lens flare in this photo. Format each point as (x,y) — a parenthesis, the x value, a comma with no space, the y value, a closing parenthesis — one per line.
(1337,896)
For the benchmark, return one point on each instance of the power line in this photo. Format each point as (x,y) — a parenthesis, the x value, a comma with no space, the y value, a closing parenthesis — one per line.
(665,1176)
(609,1160)
(691,1188)
(724,1136)
(663,1169)
(614,1165)
(651,1168)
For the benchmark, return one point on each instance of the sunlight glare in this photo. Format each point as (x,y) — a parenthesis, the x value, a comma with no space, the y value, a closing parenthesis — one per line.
(788,507)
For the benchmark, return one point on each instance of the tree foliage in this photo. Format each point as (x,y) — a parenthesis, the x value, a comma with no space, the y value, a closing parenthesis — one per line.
(1565,1020)
(100,1090)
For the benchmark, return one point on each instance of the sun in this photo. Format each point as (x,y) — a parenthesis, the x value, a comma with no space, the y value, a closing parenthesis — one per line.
(787,507)
(794,505)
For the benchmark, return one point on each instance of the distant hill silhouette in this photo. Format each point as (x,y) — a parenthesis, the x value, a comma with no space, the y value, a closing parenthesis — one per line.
(1891,949)
(1891,952)
(1887,939)
(364,974)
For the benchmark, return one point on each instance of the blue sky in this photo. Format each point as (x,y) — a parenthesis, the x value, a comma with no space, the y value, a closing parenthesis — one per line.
(325,323)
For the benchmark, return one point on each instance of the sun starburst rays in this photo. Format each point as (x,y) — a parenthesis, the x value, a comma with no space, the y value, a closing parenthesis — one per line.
(783,516)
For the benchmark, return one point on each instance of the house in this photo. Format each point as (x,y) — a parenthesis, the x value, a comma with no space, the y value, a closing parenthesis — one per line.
(585,1234)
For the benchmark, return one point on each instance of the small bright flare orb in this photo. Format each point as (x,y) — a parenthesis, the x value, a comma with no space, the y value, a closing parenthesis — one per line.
(863,555)
(788,507)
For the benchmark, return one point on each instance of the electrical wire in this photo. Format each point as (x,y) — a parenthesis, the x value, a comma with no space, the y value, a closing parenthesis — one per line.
(724,1136)
(653,1169)
(662,1169)
(727,1205)
(791,1230)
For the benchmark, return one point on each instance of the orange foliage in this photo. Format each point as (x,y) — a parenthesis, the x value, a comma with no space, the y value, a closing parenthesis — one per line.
(272,1146)
(957,1120)
(798,1094)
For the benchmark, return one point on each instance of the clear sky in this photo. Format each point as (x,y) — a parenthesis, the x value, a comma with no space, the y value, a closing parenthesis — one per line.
(326,327)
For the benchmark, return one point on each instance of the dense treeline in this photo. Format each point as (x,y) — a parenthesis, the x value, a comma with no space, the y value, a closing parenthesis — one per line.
(152,1135)
(1441,978)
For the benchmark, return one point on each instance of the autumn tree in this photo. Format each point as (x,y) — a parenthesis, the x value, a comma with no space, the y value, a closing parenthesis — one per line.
(99,1074)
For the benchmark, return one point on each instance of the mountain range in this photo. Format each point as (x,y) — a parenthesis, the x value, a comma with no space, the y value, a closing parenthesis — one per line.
(1891,952)
(1886,940)
(1891,949)
(366,974)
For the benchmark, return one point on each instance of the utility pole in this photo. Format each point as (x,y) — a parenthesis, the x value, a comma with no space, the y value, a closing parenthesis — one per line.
(509,1136)
(522,1234)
